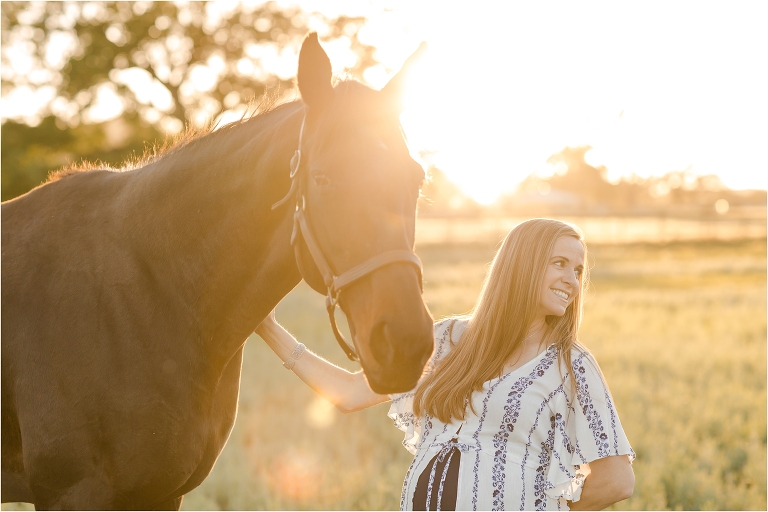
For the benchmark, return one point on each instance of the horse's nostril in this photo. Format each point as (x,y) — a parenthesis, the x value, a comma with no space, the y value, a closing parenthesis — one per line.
(381,345)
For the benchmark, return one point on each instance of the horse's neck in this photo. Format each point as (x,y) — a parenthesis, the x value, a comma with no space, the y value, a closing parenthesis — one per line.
(227,253)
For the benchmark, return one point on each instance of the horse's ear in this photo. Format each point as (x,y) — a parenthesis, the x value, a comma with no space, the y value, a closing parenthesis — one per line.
(314,74)
(393,91)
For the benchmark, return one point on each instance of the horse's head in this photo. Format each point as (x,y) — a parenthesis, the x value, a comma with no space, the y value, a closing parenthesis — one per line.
(357,197)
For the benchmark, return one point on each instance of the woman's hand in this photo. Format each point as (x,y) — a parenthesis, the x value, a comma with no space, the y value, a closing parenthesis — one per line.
(610,480)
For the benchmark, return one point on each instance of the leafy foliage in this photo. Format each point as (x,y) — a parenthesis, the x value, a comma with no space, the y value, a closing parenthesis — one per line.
(164,64)
(29,154)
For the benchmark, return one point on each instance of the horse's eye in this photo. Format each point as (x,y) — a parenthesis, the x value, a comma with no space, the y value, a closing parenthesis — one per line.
(321,179)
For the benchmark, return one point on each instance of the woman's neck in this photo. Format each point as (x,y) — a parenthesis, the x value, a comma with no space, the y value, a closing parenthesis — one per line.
(530,347)
(536,333)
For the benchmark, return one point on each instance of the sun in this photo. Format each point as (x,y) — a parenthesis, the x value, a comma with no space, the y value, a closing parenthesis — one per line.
(465,132)
(492,102)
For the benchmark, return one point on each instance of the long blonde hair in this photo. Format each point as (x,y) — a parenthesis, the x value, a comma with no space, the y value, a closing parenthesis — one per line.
(501,319)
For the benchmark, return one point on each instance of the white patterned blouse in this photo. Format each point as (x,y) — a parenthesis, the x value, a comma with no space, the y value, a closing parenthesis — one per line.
(529,445)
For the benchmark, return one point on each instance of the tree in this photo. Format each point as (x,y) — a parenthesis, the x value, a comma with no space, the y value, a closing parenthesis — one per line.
(30,153)
(582,179)
(162,65)
(442,197)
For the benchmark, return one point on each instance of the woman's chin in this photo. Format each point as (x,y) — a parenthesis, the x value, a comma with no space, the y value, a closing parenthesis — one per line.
(558,312)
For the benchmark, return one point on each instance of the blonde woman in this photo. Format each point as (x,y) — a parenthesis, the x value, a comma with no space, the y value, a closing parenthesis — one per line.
(512,412)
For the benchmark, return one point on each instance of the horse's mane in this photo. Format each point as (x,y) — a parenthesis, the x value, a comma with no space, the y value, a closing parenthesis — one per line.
(269,102)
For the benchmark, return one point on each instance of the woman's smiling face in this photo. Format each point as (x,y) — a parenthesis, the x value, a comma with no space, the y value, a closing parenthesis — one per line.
(562,278)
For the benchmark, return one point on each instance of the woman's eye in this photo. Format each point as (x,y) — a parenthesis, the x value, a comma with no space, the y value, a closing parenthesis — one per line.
(321,179)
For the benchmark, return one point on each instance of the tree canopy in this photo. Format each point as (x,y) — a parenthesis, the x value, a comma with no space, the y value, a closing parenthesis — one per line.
(160,65)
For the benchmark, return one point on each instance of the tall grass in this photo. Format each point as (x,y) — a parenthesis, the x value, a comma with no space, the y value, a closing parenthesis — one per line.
(679,331)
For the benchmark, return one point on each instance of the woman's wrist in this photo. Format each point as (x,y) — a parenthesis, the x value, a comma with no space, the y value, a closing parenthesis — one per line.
(295,355)
(288,348)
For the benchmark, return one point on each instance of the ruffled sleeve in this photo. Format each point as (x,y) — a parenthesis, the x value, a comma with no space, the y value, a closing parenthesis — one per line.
(401,409)
(586,427)
(401,413)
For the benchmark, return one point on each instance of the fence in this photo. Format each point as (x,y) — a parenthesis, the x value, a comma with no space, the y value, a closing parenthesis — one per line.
(618,230)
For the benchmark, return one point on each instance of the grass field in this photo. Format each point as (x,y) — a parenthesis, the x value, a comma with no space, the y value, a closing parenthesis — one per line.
(679,331)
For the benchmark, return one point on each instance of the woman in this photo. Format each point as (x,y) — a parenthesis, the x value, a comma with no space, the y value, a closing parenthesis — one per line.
(512,412)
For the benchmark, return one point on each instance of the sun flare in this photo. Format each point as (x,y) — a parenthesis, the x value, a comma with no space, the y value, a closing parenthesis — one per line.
(490,108)
(506,85)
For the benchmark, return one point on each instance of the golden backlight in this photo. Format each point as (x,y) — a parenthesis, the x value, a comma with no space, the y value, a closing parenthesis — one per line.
(652,88)
(504,86)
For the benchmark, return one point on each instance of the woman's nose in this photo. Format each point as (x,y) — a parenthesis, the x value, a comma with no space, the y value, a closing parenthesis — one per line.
(570,278)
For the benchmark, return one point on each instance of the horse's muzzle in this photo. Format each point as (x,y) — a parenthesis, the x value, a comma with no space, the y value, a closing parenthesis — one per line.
(398,353)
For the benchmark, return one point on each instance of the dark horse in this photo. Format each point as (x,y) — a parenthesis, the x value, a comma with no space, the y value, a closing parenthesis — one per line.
(127,297)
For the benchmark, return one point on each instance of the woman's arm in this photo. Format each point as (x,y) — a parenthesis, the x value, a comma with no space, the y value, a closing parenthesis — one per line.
(348,391)
(610,480)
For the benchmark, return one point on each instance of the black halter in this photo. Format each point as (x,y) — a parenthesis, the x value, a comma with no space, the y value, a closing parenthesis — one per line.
(333,283)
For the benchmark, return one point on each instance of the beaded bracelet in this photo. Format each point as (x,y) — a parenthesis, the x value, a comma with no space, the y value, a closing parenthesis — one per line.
(295,355)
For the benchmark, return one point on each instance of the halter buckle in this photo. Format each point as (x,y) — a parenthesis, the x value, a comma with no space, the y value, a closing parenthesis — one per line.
(332,298)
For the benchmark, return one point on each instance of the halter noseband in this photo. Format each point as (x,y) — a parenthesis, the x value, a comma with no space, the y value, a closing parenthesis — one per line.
(333,283)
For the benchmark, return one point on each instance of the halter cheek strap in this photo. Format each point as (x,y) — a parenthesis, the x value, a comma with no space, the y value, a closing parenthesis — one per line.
(295,164)
(333,283)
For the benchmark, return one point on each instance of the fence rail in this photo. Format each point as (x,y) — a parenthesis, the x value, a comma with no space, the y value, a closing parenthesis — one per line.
(440,230)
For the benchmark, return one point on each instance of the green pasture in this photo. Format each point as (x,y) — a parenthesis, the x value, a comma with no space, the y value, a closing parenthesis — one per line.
(679,331)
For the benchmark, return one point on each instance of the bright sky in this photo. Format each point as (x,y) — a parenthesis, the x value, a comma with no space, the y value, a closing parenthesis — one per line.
(653,87)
